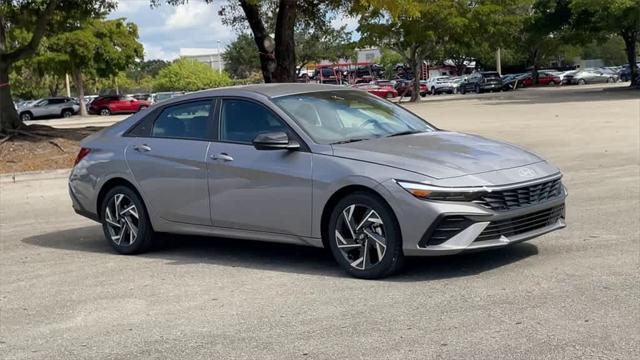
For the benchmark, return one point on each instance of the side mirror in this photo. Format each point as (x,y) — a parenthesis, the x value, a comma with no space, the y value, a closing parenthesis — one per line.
(277,140)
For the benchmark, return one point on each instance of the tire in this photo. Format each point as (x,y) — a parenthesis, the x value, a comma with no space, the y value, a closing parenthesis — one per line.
(67,113)
(462,91)
(551,83)
(117,222)
(388,95)
(609,80)
(104,112)
(582,82)
(142,107)
(478,91)
(376,249)
(433,91)
(26,116)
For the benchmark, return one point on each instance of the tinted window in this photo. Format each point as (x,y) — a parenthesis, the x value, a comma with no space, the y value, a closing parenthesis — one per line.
(184,121)
(241,121)
(56,101)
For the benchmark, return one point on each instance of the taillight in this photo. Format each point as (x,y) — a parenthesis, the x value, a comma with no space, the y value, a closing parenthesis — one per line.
(81,155)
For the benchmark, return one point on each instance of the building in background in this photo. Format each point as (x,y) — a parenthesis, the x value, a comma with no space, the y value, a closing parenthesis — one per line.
(211,57)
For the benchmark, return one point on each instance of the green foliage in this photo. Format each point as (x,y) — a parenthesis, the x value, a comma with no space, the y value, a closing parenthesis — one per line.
(389,59)
(105,47)
(611,51)
(322,43)
(241,57)
(189,75)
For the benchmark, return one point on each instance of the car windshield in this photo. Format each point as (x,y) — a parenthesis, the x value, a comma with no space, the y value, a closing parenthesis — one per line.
(334,117)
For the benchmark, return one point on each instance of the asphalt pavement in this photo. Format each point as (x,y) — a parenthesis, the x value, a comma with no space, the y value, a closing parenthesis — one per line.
(567,295)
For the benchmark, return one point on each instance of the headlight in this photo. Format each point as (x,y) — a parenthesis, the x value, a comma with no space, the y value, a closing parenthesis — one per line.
(429,192)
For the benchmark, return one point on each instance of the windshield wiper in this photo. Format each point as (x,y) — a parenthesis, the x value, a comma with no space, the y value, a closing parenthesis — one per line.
(348,141)
(408,132)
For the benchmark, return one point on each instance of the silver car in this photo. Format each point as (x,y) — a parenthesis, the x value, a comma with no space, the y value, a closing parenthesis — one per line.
(316,165)
(590,76)
(49,107)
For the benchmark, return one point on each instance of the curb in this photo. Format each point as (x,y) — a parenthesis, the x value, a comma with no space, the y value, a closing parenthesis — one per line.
(34,175)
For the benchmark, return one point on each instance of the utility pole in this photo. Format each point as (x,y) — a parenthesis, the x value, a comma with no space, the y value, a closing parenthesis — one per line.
(66,81)
(498,62)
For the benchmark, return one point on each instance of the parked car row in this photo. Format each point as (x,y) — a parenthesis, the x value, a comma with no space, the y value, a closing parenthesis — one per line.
(49,107)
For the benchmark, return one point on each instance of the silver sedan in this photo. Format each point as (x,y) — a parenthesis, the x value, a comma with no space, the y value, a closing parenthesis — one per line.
(316,165)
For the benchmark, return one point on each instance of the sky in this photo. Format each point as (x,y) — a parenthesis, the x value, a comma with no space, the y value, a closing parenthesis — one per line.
(165,29)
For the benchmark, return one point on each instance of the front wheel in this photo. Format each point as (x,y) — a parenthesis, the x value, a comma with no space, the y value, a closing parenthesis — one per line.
(364,237)
(67,113)
(142,107)
(581,82)
(125,221)
(552,83)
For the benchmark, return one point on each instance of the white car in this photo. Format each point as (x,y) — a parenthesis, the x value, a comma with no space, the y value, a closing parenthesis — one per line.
(49,107)
(440,84)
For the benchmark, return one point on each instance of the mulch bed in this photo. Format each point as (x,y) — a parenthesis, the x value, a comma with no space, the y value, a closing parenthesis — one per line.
(40,147)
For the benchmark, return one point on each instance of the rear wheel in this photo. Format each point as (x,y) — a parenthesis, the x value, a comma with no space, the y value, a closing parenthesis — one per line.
(388,95)
(26,116)
(125,221)
(552,83)
(478,90)
(142,107)
(105,112)
(364,237)
(581,82)
(66,113)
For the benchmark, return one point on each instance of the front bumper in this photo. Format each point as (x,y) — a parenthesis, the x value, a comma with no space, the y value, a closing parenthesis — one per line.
(484,228)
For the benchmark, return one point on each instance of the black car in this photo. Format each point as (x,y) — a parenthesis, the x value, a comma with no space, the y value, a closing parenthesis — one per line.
(481,81)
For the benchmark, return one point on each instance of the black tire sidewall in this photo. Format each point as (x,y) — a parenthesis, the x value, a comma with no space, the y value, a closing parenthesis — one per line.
(67,112)
(26,114)
(393,258)
(105,112)
(145,232)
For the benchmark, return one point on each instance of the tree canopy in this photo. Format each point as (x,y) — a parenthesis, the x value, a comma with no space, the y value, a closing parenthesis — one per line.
(189,75)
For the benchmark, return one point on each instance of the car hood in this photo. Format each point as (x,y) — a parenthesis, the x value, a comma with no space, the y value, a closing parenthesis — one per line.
(438,154)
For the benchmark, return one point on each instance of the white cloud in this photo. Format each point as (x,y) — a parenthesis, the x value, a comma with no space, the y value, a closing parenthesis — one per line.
(194,15)
(157,52)
(131,6)
(342,19)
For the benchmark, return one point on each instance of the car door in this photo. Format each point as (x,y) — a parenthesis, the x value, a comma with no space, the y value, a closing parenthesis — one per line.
(167,155)
(261,190)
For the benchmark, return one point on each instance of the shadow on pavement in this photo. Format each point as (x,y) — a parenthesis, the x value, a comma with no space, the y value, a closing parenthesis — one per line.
(184,250)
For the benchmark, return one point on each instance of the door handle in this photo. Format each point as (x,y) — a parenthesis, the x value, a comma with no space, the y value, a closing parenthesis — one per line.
(222,156)
(142,148)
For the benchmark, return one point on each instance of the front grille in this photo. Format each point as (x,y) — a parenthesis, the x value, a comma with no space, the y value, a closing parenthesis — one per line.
(521,224)
(521,197)
(444,229)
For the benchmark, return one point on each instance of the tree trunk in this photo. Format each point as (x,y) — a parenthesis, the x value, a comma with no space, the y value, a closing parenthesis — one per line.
(261,38)
(285,52)
(77,79)
(9,119)
(417,70)
(630,38)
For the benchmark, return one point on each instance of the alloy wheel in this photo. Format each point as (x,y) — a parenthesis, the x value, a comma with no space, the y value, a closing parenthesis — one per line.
(122,220)
(360,236)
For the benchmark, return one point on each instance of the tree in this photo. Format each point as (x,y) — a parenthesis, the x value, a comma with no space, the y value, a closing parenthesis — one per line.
(619,17)
(389,60)
(103,47)
(189,75)
(415,38)
(281,18)
(23,24)
(241,58)
(325,43)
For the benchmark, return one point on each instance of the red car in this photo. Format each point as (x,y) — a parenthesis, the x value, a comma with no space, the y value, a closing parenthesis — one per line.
(113,104)
(383,91)
(406,87)
(544,78)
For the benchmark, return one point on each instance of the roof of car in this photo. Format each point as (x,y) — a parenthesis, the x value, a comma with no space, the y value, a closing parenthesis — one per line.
(275,89)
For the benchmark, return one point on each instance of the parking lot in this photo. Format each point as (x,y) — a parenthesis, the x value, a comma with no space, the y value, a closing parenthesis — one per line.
(570,294)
